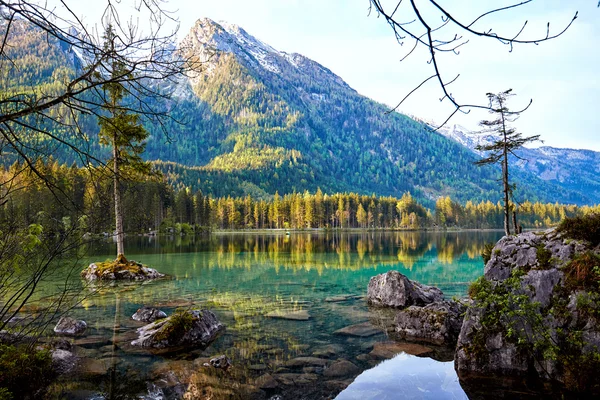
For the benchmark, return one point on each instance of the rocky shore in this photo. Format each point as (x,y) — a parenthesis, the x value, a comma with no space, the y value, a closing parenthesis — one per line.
(532,315)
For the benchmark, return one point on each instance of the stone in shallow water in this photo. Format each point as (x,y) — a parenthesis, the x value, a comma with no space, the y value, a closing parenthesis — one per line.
(386,350)
(203,329)
(296,379)
(89,366)
(68,326)
(63,361)
(148,314)
(257,367)
(337,299)
(266,381)
(306,361)
(300,315)
(364,329)
(438,322)
(328,351)
(393,289)
(341,368)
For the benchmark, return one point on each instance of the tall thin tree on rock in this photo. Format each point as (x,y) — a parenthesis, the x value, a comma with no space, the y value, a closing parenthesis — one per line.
(121,129)
(508,140)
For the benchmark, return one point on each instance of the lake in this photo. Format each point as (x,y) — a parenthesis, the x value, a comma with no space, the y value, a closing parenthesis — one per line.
(245,277)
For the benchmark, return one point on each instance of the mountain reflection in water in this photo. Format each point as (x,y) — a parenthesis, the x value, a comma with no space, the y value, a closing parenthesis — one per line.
(406,377)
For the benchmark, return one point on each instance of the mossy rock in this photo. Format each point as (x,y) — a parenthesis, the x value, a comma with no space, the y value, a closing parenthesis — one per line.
(119,269)
(195,328)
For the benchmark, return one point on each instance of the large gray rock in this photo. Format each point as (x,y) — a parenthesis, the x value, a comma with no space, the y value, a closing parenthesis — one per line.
(68,326)
(437,323)
(393,289)
(535,316)
(521,252)
(63,361)
(148,314)
(203,329)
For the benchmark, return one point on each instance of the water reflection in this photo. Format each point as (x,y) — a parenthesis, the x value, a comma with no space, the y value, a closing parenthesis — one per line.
(353,250)
(406,377)
(250,281)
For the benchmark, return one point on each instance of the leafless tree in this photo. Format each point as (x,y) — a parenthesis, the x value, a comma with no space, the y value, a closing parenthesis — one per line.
(438,29)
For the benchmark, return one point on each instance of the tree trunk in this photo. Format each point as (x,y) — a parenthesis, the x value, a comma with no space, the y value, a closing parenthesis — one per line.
(117,198)
(514,217)
(505,177)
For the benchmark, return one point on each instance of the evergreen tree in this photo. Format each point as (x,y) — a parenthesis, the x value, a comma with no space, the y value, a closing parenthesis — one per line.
(121,130)
(508,141)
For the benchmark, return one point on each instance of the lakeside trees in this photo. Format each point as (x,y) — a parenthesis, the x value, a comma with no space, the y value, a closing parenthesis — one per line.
(155,205)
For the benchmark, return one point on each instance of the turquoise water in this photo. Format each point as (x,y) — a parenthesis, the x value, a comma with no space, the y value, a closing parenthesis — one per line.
(245,277)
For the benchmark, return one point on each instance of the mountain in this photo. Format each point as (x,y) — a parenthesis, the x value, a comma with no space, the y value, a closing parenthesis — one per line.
(576,170)
(256,120)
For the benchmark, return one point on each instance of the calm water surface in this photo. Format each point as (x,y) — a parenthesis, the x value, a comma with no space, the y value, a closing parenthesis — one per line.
(244,277)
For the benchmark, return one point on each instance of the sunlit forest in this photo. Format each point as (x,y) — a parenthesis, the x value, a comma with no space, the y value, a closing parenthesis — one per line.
(71,197)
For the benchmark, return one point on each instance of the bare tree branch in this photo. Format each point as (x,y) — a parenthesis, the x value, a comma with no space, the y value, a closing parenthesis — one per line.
(425,34)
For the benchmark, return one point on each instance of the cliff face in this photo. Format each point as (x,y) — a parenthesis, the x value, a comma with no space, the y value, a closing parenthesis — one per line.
(535,312)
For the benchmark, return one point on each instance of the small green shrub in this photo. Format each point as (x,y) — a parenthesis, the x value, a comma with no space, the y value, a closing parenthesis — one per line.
(585,228)
(583,272)
(543,257)
(486,253)
(24,372)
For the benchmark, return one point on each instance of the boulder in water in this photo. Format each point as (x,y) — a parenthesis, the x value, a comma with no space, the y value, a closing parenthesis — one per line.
(197,328)
(393,289)
(68,326)
(148,314)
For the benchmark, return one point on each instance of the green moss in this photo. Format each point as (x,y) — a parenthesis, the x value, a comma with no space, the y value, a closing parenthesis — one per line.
(582,228)
(544,257)
(176,327)
(118,265)
(25,372)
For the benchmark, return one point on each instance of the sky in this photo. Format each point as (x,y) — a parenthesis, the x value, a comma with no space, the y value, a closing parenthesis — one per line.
(560,76)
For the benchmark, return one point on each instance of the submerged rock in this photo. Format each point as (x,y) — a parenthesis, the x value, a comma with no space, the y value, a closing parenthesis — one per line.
(120,269)
(364,329)
(148,314)
(341,368)
(393,289)
(63,361)
(197,328)
(437,323)
(387,350)
(299,315)
(222,362)
(68,326)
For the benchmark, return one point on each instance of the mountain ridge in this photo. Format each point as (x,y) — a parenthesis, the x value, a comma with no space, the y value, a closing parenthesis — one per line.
(258,120)
(577,169)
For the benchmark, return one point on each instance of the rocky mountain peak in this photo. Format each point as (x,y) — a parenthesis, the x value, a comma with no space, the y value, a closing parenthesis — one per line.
(208,40)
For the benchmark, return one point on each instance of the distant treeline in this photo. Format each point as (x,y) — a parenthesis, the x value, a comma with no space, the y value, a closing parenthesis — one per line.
(70,197)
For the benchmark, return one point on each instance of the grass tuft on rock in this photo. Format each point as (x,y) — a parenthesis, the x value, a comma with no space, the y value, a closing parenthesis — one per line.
(176,327)
(120,264)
